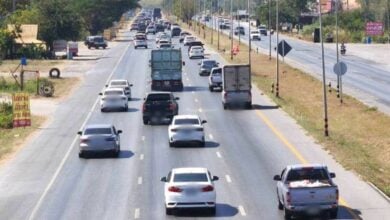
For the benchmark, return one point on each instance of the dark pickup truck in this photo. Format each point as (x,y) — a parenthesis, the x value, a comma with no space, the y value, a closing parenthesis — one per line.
(159,107)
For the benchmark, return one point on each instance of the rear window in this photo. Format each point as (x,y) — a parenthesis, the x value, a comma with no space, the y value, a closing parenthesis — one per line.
(307,174)
(158,97)
(90,131)
(186,121)
(190,177)
(217,71)
(209,62)
(113,93)
(119,83)
(98,39)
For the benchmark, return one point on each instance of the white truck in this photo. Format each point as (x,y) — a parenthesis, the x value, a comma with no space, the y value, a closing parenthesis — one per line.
(215,79)
(236,89)
(307,189)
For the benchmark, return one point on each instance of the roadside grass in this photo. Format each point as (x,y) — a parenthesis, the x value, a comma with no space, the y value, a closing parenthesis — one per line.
(11,139)
(359,135)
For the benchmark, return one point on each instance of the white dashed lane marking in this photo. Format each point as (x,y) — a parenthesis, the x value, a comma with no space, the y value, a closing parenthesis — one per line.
(219,154)
(211,136)
(242,210)
(141,157)
(140,180)
(228,179)
(137,213)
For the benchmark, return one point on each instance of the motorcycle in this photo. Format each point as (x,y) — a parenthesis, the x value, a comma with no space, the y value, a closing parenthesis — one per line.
(343,49)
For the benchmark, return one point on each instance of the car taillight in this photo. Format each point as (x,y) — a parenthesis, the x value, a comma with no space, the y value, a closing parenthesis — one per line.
(110,139)
(143,107)
(199,129)
(208,188)
(288,199)
(172,106)
(174,189)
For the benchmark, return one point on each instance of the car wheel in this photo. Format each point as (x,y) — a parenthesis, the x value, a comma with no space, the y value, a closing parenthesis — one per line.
(104,48)
(280,205)
(333,213)
(287,214)
(168,211)
(225,106)
(213,210)
(102,110)
(203,143)
(81,154)
(126,108)
(135,48)
(171,144)
(210,88)
(89,47)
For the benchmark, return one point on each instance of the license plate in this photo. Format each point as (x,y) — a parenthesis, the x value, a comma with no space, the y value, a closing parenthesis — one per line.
(166,83)
(191,191)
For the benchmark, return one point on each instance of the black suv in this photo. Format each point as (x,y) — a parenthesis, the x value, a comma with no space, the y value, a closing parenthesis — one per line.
(96,42)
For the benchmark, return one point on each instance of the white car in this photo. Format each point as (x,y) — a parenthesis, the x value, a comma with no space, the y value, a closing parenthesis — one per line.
(121,83)
(186,129)
(255,35)
(196,51)
(188,39)
(189,188)
(113,99)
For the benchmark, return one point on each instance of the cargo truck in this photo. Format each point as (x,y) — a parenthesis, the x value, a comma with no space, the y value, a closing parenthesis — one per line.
(166,70)
(236,90)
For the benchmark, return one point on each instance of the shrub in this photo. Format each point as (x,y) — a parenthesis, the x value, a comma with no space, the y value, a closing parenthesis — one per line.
(5,115)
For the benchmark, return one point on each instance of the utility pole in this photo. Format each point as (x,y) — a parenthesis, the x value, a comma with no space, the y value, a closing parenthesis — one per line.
(13,5)
(204,24)
(326,132)
(200,9)
(277,54)
(231,29)
(218,25)
(212,21)
(269,27)
(339,95)
(250,40)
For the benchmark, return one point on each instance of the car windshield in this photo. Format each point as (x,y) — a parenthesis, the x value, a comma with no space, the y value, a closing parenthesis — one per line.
(90,131)
(307,174)
(209,63)
(217,71)
(159,97)
(98,39)
(118,83)
(187,121)
(113,93)
(190,177)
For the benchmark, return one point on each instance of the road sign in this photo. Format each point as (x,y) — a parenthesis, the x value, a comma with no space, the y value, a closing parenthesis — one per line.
(21,109)
(283,48)
(374,28)
(340,68)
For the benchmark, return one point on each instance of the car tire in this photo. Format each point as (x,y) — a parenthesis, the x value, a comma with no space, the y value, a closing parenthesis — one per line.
(225,106)
(280,205)
(104,48)
(333,213)
(248,105)
(287,214)
(81,154)
(146,121)
(203,143)
(102,110)
(168,211)
(126,109)
(211,88)
(171,144)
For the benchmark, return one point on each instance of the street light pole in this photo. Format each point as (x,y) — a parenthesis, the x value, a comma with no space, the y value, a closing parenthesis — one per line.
(326,132)
(339,91)
(231,29)
(269,27)
(250,40)
(212,22)
(204,24)
(277,54)
(218,25)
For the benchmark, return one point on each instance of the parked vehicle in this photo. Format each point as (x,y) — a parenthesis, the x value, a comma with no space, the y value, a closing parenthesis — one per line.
(215,79)
(206,66)
(307,189)
(186,129)
(113,99)
(236,86)
(166,70)
(121,83)
(159,107)
(189,188)
(99,138)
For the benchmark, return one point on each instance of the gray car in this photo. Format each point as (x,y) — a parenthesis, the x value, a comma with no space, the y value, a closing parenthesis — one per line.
(206,66)
(99,138)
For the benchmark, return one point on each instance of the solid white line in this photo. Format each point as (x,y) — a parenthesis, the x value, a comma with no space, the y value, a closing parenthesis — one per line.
(219,154)
(136,213)
(211,136)
(59,168)
(242,210)
(140,180)
(228,179)
(141,157)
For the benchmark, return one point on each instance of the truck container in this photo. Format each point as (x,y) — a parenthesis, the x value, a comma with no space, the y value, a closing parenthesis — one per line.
(166,70)
(236,86)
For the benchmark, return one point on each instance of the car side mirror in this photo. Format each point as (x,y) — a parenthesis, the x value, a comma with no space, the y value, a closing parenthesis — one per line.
(100,93)
(79,132)
(163,179)
(332,175)
(177,98)
(184,63)
(119,131)
(204,122)
(277,178)
(215,178)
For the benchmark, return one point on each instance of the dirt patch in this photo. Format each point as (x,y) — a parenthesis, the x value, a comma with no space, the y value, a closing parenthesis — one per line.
(359,135)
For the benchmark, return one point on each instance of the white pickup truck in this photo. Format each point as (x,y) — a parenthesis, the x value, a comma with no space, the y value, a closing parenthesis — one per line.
(215,79)
(307,189)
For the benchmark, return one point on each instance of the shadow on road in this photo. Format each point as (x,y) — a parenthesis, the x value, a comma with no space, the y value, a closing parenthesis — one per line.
(264,107)
(195,88)
(344,213)
(135,99)
(125,154)
(209,144)
(223,210)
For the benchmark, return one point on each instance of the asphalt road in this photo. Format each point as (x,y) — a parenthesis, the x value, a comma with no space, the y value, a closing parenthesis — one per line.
(245,148)
(365,80)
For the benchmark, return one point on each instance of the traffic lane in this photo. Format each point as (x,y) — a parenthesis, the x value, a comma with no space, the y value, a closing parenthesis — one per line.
(255,124)
(102,182)
(24,178)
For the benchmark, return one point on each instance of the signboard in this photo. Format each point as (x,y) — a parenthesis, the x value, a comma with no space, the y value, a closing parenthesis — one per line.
(340,68)
(21,110)
(284,48)
(374,28)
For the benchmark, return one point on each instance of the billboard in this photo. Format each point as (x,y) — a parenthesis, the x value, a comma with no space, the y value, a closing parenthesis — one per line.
(374,28)
(21,109)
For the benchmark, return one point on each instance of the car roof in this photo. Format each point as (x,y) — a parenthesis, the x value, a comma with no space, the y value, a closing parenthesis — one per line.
(98,126)
(118,80)
(207,60)
(151,93)
(189,170)
(113,89)
(186,117)
(300,166)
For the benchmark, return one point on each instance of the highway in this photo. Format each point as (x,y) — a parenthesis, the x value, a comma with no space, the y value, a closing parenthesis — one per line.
(365,80)
(245,148)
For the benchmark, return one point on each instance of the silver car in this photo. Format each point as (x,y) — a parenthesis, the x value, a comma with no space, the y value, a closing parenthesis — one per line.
(102,138)
(121,83)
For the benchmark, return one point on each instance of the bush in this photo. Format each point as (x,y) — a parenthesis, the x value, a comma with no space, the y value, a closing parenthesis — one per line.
(5,115)
(32,52)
